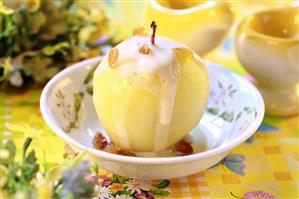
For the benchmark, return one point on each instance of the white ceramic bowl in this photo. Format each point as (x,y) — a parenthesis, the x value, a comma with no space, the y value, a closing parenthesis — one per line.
(235,110)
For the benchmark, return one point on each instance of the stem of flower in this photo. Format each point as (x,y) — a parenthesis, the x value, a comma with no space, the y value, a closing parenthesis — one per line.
(154,28)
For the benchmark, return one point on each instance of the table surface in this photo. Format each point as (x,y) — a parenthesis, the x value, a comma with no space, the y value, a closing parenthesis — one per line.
(271,157)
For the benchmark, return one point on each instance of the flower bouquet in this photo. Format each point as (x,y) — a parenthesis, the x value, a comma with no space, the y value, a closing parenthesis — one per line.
(39,38)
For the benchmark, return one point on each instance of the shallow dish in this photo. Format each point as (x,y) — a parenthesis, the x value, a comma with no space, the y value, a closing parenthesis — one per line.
(234,111)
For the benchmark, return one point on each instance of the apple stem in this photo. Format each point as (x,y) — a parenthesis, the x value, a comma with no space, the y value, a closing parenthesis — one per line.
(154,28)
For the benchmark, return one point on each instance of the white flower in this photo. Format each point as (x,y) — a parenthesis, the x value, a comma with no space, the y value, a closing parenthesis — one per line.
(123,197)
(102,192)
(16,79)
(137,185)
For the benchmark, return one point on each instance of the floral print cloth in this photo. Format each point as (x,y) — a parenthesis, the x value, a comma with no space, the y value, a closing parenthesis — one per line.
(264,167)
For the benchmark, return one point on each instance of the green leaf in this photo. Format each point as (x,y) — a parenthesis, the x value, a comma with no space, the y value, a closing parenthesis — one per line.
(20,174)
(89,75)
(30,167)
(78,97)
(248,109)
(122,192)
(89,90)
(213,110)
(159,192)
(239,115)
(163,184)
(29,172)
(31,158)
(226,116)
(119,179)
(26,145)
(95,168)
(51,50)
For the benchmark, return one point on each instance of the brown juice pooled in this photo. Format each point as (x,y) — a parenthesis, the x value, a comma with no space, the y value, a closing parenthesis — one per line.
(179,149)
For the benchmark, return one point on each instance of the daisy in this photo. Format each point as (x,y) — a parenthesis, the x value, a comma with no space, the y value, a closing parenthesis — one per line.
(102,192)
(258,195)
(137,185)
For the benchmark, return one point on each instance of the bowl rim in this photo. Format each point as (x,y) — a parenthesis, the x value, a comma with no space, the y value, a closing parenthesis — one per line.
(144,160)
(248,28)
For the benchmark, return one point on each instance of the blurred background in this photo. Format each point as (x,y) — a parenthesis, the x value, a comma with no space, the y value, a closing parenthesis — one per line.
(39,38)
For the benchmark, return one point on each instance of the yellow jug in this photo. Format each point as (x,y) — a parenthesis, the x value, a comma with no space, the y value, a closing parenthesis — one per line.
(201,25)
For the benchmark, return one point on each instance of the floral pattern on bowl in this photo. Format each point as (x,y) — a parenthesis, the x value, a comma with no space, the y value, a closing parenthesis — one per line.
(234,111)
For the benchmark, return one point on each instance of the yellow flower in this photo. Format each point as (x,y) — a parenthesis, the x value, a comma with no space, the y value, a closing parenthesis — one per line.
(44,183)
(26,130)
(7,64)
(54,173)
(33,5)
(39,137)
(5,10)
(44,190)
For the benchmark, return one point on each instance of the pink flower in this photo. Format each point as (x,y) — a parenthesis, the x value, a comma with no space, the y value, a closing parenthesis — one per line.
(150,195)
(100,180)
(144,195)
(258,195)
(140,195)
(103,180)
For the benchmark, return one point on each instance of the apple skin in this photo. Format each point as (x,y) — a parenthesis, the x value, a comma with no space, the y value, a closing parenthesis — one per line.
(117,103)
